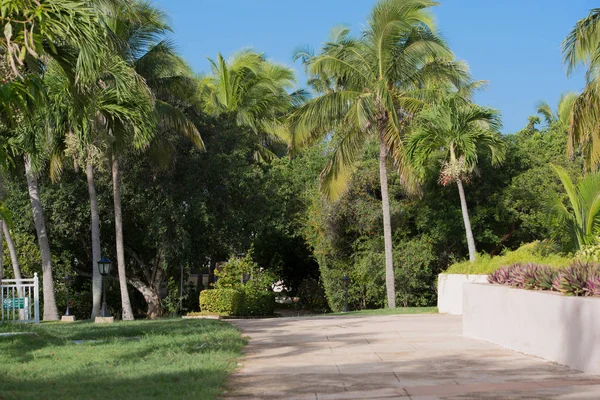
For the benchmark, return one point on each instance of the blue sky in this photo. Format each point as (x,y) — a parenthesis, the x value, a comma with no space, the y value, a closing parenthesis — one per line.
(514,44)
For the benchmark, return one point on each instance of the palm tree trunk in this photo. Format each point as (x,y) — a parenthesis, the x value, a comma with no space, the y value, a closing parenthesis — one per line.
(50,311)
(387,227)
(125,302)
(12,250)
(1,256)
(96,251)
(465,214)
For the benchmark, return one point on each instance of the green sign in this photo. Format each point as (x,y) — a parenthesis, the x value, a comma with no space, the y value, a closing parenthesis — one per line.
(11,304)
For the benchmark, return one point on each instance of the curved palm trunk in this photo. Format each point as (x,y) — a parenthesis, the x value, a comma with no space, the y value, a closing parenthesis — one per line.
(96,251)
(387,227)
(125,302)
(50,311)
(465,214)
(12,250)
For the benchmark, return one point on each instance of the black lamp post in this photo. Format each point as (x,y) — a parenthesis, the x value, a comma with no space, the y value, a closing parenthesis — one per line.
(104,265)
(68,280)
(346,280)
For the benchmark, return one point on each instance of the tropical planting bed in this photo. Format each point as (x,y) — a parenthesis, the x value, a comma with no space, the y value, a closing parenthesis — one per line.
(175,358)
(540,310)
(450,283)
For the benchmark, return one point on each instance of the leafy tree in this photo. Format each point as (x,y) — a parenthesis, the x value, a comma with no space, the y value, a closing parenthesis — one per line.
(459,130)
(254,93)
(376,85)
(582,46)
(562,116)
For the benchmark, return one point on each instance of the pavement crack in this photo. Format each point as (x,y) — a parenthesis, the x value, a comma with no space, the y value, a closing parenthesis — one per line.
(397,378)
(378,356)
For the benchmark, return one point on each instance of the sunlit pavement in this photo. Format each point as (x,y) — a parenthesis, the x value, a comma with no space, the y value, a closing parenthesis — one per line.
(401,356)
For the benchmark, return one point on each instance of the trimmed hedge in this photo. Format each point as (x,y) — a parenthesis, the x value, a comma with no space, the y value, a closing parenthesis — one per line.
(259,303)
(222,301)
(238,302)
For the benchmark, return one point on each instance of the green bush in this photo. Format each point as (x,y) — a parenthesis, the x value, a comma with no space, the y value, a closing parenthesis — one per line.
(312,295)
(258,303)
(536,252)
(238,302)
(222,301)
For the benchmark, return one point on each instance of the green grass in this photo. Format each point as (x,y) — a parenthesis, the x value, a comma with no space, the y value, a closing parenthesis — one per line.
(485,264)
(388,311)
(175,358)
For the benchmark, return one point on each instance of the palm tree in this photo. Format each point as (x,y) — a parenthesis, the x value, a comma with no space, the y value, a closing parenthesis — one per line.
(562,116)
(459,130)
(377,83)
(582,46)
(33,33)
(254,93)
(140,31)
(35,29)
(81,116)
(581,217)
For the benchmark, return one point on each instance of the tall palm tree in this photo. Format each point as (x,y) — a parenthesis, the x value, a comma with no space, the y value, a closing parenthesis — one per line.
(254,93)
(33,33)
(582,47)
(81,117)
(562,116)
(140,40)
(378,82)
(460,131)
(580,218)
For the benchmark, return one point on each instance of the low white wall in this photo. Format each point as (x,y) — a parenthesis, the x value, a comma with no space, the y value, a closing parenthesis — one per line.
(544,324)
(450,291)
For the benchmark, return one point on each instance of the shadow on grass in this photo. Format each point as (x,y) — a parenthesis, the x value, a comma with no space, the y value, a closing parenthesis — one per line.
(167,359)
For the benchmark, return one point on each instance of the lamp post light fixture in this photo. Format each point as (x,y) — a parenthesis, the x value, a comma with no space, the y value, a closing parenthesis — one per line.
(104,265)
(68,280)
(346,280)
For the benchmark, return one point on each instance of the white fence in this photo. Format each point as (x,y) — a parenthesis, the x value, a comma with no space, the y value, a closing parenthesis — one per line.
(20,300)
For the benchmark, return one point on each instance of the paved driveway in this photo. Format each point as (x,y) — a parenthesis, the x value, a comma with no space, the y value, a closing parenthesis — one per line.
(410,357)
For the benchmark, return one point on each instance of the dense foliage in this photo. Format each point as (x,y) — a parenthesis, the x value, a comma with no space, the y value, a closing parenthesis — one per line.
(129,154)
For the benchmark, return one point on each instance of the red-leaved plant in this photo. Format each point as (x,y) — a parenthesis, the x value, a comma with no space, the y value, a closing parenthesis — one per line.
(579,279)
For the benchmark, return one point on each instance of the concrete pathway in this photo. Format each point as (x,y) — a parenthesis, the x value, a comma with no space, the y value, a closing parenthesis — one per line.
(406,357)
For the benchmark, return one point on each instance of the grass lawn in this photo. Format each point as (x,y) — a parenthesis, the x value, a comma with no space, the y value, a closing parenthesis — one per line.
(173,358)
(389,311)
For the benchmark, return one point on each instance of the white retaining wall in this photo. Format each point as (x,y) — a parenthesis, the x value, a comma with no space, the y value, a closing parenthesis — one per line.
(450,291)
(544,324)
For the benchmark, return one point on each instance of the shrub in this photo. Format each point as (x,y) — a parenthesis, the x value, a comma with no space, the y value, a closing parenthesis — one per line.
(593,286)
(222,301)
(574,279)
(501,276)
(545,278)
(312,295)
(258,302)
(581,278)
(590,252)
(536,252)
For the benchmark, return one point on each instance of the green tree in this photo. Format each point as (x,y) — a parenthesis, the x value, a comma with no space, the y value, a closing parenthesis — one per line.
(172,84)
(377,84)
(34,32)
(582,46)
(459,130)
(255,94)
(561,118)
